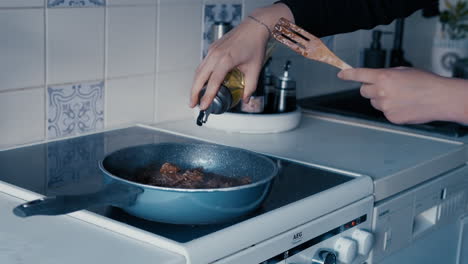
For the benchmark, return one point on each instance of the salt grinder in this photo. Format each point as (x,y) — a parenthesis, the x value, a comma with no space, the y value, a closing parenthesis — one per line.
(285,92)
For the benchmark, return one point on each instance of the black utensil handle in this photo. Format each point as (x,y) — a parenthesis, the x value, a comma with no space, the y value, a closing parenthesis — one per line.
(117,194)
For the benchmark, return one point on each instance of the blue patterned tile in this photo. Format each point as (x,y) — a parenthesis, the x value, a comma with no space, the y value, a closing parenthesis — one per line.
(230,13)
(75,3)
(75,109)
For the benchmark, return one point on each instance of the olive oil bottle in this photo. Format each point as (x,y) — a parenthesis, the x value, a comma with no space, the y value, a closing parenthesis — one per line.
(230,92)
(235,82)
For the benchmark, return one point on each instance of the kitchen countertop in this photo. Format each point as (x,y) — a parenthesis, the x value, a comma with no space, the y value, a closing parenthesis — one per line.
(395,160)
(385,125)
(64,239)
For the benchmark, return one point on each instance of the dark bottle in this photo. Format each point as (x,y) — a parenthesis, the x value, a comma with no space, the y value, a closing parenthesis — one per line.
(375,56)
(269,87)
(285,92)
(397,57)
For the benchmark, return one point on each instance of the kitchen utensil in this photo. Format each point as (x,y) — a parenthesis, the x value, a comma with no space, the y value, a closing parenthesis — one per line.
(397,58)
(375,56)
(460,69)
(218,30)
(171,205)
(306,44)
(285,92)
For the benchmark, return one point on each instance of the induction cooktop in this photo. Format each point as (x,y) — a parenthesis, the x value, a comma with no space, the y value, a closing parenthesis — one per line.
(351,103)
(70,166)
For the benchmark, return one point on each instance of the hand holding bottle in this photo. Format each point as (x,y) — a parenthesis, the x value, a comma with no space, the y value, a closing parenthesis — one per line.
(242,48)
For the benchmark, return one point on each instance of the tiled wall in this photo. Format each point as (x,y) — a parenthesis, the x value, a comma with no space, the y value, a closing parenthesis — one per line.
(76,66)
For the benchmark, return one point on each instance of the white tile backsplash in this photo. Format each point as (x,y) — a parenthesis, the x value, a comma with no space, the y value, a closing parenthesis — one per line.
(74,109)
(130,100)
(229,12)
(75,3)
(22,116)
(130,2)
(21,3)
(131,40)
(179,35)
(141,56)
(251,5)
(22,48)
(75,40)
(172,95)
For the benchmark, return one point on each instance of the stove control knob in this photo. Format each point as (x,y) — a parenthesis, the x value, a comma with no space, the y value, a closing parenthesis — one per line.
(324,256)
(364,239)
(346,249)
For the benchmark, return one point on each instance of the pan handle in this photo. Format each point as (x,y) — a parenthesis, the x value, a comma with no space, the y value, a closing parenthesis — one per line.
(116,194)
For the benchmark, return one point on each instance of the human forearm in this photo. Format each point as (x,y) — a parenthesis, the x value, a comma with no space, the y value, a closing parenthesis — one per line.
(270,15)
(329,17)
(455,92)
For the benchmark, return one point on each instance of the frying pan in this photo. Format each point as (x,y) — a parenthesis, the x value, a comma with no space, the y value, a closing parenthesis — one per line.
(171,205)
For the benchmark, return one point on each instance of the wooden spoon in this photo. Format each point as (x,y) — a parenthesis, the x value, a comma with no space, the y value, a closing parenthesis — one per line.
(306,44)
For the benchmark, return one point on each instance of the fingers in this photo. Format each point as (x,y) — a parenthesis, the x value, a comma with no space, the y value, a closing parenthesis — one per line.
(372,91)
(201,77)
(223,66)
(363,75)
(251,80)
(376,103)
(205,70)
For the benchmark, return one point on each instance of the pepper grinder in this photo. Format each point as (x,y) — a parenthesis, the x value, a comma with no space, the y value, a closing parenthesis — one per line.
(285,92)
(218,30)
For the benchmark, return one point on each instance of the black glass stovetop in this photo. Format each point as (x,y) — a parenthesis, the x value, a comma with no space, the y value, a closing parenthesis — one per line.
(71,167)
(351,103)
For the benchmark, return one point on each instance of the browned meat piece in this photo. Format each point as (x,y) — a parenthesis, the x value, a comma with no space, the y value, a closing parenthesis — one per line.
(170,175)
(167,179)
(218,181)
(195,175)
(244,180)
(169,168)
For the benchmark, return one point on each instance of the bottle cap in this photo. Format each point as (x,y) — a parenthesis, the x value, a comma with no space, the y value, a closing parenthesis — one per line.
(285,82)
(221,103)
